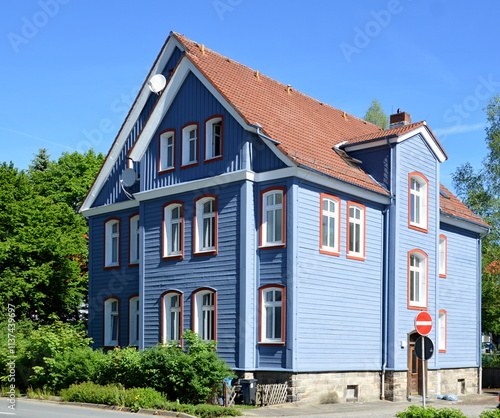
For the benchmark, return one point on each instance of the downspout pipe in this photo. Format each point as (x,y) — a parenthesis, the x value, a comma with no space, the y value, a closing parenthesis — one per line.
(259,132)
(480,291)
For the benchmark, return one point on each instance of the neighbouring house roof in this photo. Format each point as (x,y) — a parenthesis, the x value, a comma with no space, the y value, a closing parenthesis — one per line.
(493,267)
(452,206)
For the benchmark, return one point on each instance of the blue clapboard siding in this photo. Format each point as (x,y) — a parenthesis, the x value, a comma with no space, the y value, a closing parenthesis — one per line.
(376,162)
(112,191)
(413,155)
(458,296)
(339,306)
(195,104)
(122,282)
(219,272)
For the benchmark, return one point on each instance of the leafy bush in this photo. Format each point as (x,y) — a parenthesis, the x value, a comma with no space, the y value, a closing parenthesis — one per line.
(491,360)
(492,413)
(139,398)
(121,366)
(415,411)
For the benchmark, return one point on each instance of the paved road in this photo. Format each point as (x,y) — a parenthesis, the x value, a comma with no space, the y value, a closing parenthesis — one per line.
(34,409)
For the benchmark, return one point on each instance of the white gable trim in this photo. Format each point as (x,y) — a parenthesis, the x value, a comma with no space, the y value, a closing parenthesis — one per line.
(462,223)
(115,207)
(422,130)
(129,123)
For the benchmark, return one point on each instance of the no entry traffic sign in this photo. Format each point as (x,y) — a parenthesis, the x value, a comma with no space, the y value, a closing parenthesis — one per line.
(423,323)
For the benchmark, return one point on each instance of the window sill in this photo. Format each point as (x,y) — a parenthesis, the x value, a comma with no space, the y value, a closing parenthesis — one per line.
(211,159)
(110,347)
(111,267)
(173,257)
(271,246)
(418,308)
(166,170)
(418,228)
(335,253)
(355,257)
(204,253)
(187,165)
(134,264)
(443,276)
(272,343)
(442,351)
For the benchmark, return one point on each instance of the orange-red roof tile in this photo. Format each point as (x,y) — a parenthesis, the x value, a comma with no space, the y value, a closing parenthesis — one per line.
(451,205)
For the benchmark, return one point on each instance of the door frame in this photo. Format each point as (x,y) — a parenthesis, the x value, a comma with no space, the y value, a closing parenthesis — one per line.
(412,338)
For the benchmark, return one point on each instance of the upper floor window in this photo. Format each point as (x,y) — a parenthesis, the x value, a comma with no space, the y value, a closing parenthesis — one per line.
(418,201)
(133,321)
(442,331)
(189,144)
(204,316)
(273,217)
(272,314)
(417,280)
(134,232)
(111,321)
(172,317)
(330,224)
(173,229)
(213,138)
(167,150)
(356,231)
(112,243)
(206,224)
(443,255)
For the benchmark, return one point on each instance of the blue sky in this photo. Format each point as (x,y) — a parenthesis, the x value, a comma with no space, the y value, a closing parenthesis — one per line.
(71,69)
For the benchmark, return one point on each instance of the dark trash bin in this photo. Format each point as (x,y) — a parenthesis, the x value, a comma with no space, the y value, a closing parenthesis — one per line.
(249,390)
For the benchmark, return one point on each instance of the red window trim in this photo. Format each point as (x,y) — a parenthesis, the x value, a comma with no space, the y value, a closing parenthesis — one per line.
(130,240)
(164,234)
(446,330)
(194,313)
(283,220)
(128,313)
(445,256)
(197,145)
(221,156)
(363,207)
(338,221)
(196,252)
(414,227)
(409,306)
(110,347)
(283,314)
(168,170)
(181,314)
(106,243)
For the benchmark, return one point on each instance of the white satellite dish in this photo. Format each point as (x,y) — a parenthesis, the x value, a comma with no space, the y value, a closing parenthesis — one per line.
(129,177)
(157,83)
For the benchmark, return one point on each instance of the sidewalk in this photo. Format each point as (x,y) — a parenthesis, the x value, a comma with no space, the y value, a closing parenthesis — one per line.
(470,405)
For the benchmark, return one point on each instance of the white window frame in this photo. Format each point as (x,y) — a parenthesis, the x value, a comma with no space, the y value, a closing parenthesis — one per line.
(443,256)
(135,239)
(111,322)
(190,144)
(272,313)
(172,317)
(206,225)
(205,315)
(112,245)
(417,280)
(418,204)
(330,224)
(134,321)
(211,138)
(442,324)
(167,150)
(169,223)
(356,214)
(273,218)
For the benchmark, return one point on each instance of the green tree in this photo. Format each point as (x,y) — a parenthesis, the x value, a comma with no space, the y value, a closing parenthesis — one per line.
(41,161)
(480,191)
(376,115)
(43,240)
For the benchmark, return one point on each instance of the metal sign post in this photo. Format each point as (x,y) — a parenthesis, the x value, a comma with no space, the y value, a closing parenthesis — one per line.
(423,373)
(423,325)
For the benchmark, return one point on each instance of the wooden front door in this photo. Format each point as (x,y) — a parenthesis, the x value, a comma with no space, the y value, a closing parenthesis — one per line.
(414,368)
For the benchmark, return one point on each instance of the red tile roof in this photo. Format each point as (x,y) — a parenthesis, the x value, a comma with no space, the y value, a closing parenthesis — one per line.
(451,205)
(307,130)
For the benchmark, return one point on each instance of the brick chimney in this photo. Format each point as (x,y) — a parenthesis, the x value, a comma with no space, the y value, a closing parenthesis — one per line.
(399,119)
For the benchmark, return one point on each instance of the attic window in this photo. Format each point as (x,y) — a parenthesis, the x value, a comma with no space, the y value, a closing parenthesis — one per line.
(353,162)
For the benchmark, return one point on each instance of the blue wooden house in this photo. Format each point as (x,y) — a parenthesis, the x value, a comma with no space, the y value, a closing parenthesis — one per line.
(301,238)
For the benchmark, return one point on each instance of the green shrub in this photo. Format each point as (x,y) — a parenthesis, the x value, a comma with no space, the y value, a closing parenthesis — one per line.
(415,411)
(491,360)
(89,392)
(492,413)
(147,398)
(212,411)
(122,366)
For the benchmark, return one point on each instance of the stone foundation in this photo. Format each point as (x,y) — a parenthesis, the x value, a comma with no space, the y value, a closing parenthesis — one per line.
(338,387)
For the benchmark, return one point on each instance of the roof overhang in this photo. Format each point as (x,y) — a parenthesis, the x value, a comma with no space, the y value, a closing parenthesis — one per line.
(463,223)
(396,139)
